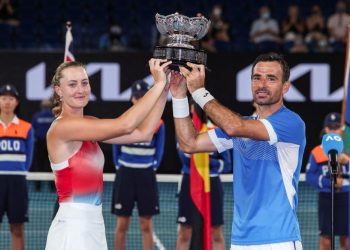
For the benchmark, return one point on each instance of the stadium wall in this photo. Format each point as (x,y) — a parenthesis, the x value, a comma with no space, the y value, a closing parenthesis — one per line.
(317,81)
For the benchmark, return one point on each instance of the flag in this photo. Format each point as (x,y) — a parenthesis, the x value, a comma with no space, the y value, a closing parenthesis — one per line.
(68,54)
(346,106)
(200,194)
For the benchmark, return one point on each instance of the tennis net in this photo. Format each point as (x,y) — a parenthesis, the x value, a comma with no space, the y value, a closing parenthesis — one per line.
(41,206)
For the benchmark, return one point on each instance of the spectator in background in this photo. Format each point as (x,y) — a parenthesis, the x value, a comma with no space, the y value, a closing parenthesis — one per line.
(318,176)
(114,40)
(292,27)
(264,32)
(41,122)
(135,180)
(208,44)
(315,34)
(7,13)
(217,32)
(222,38)
(216,17)
(17,140)
(298,46)
(219,163)
(338,27)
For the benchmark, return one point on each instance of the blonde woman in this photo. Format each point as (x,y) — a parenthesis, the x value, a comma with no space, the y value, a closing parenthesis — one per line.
(76,158)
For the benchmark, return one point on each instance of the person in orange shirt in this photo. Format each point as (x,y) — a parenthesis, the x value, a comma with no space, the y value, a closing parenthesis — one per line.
(16,154)
(318,176)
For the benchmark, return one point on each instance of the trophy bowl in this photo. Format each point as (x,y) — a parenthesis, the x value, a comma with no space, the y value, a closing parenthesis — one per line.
(180,31)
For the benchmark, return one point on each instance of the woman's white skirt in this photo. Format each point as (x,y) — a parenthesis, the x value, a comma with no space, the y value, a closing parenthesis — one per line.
(77,226)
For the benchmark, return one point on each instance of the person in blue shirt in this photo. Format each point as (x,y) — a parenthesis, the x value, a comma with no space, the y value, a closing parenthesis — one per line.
(16,153)
(135,180)
(218,163)
(41,122)
(268,151)
(318,176)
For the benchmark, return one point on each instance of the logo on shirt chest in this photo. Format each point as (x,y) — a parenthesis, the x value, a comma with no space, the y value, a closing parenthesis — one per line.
(10,145)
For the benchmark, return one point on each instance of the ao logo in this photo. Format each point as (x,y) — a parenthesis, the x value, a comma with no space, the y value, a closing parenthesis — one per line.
(333,138)
(7,145)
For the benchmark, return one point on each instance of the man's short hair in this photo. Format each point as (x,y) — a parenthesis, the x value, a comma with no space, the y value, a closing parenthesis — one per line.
(274,57)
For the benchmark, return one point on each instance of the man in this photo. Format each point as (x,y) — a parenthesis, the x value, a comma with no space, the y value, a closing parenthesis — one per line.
(337,26)
(16,153)
(318,176)
(264,32)
(268,152)
(136,180)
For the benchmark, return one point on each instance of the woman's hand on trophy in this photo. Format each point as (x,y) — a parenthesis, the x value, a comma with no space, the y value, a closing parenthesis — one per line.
(159,68)
(195,77)
(178,86)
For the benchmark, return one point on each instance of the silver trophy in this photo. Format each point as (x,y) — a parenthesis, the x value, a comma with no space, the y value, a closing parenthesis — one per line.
(180,31)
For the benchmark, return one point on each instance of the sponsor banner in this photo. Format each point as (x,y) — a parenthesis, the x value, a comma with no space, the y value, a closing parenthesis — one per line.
(317,87)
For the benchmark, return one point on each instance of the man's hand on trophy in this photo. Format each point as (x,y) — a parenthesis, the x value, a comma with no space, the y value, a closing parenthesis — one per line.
(178,86)
(195,77)
(159,68)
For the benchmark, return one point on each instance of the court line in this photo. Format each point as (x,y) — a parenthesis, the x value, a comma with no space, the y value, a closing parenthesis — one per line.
(48,176)
(157,242)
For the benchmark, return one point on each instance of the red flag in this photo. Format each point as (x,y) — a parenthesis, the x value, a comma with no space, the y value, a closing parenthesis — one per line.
(68,54)
(200,185)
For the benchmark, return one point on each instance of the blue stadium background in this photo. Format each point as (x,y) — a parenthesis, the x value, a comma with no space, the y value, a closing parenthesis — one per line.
(42,22)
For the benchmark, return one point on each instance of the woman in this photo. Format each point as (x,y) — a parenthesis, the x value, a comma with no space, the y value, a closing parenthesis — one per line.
(76,158)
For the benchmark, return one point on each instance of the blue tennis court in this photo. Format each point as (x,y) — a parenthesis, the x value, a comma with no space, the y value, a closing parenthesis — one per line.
(165,227)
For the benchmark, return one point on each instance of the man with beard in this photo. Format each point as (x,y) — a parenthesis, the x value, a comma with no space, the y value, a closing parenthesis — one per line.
(268,150)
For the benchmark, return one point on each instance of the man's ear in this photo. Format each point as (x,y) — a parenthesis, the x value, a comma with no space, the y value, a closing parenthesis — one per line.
(285,87)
